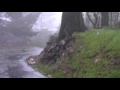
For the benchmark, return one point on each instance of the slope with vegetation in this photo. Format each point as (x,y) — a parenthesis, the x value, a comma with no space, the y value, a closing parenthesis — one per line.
(92,54)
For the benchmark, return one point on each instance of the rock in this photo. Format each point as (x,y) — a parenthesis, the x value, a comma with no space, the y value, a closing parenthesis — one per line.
(49,76)
(63,42)
(97,33)
(97,60)
(30,61)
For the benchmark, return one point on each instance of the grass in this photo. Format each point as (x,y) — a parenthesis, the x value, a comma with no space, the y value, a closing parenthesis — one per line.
(97,56)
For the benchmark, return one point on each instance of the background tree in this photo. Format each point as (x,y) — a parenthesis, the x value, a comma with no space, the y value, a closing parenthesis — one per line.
(95,18)
(21,26)
(113,18)
(18,25)
(105,19)
(41,38)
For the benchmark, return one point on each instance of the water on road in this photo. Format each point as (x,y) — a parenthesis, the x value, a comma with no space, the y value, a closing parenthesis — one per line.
(13,63)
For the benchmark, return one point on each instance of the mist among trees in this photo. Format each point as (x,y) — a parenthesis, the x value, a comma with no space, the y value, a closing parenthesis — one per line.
(60,44)
(19,28)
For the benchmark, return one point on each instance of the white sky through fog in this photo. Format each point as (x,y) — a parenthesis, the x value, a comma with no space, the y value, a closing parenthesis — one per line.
(50,21)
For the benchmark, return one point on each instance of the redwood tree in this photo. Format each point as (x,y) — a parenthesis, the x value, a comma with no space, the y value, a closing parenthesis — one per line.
(71,22)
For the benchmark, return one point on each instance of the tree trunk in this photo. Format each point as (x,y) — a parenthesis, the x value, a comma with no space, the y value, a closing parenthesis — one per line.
(105,19)
(110,20)
(96,19)
(71,22)
(90,19)
(116,18)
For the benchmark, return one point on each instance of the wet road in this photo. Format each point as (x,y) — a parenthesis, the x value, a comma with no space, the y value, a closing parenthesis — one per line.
(13,64)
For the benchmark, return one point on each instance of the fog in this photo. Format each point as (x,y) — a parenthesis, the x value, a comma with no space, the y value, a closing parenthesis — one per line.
(49,20)
(47,24)
(31,28)
(24,34)
(28,28)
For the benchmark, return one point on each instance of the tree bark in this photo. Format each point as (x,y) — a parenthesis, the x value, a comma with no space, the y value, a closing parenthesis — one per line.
(105,19)
(71,22)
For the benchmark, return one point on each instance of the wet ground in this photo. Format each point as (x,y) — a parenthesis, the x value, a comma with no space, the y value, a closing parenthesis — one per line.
(13,64)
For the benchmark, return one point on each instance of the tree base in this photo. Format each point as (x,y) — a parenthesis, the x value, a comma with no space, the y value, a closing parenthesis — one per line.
(55,51)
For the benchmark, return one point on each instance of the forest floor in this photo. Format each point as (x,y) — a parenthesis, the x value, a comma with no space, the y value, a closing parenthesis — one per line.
(96,55)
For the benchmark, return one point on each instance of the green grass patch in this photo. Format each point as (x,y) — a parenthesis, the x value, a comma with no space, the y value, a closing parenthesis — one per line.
(96,51)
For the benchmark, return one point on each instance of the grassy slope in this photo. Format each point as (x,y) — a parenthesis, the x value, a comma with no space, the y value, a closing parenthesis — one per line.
(97,56)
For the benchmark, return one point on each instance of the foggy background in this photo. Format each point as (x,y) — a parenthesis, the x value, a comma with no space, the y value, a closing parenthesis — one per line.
(28,28)
(34,28)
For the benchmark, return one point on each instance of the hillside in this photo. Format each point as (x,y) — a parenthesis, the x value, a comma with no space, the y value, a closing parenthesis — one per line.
(92,54)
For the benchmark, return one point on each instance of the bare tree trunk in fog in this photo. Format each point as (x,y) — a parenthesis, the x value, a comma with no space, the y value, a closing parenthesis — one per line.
(116,18)
(96,21)
(90,19)
(110,19)
(105,19)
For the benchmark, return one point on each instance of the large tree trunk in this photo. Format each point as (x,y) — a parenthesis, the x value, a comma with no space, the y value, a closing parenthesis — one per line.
(71,22)
(105,19)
